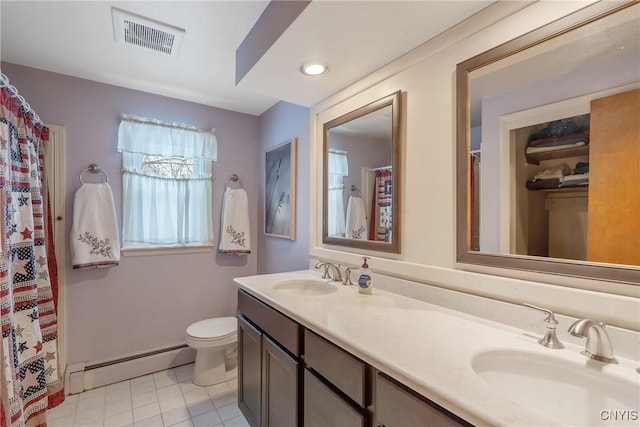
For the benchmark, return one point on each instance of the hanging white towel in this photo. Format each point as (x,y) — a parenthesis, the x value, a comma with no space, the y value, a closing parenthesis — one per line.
(356,219)
(95,241)
(235,233)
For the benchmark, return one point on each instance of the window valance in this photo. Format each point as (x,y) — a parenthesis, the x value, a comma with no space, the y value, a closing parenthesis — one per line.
(157,138)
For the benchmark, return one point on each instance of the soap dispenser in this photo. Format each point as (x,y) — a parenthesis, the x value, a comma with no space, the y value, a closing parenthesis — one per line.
(365,282)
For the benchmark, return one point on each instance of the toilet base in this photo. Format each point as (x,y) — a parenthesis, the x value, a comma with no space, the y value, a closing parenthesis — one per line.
(211,367)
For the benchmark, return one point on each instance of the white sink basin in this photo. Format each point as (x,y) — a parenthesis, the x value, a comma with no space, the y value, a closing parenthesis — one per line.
(567,391)
(305,287)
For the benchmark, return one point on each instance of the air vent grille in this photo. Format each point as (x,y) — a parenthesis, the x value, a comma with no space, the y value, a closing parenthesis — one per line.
(135,30)
(151,38)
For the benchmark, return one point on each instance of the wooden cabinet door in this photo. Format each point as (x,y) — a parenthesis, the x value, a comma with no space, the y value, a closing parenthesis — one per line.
(249,371)
(399,407)
(324,408)
(279,386)
(614,177)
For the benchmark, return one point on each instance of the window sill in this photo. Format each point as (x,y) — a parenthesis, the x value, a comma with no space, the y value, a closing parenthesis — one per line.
(166,250)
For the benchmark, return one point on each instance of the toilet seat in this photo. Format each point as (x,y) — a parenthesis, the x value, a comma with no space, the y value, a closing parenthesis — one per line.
(213,329)
(212,333)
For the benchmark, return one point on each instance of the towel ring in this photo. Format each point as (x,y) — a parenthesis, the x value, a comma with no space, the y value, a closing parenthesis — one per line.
(93,168)
(233,178)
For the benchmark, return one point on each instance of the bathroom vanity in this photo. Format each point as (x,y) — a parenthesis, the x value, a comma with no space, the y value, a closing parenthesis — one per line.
(314,353)
(289,375)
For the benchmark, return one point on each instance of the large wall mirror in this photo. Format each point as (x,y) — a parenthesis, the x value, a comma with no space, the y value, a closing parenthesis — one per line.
(548,158)
(361,200)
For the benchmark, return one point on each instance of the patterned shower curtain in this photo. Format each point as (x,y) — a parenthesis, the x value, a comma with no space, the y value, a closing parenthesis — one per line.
(380,222)
(30,377)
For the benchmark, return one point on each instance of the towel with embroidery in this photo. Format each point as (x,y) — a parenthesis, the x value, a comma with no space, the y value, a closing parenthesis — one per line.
(356,219)
(95,241)
(235,230)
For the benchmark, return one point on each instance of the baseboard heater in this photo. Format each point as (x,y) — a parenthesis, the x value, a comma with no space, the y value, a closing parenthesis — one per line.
(81,377)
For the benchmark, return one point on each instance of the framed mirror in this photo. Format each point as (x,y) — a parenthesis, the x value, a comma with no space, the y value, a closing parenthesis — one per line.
(548,149)
(362,177)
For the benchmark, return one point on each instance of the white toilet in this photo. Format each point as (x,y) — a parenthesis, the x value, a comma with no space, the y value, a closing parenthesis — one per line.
(215,341)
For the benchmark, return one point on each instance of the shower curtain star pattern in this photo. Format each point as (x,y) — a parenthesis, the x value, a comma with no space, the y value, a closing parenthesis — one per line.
(30,378)
(380,222)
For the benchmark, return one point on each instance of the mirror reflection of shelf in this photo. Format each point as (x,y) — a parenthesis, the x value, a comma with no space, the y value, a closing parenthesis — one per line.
(582,188)
(536,158)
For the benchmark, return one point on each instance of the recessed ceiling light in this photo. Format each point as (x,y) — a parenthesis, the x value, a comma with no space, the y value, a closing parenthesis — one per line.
(314,69)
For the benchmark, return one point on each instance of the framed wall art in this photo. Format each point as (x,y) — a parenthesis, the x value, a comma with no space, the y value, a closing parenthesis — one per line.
(280,190)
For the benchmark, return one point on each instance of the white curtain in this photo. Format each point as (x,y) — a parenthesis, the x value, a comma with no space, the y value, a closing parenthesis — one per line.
(170,208)
(337,170)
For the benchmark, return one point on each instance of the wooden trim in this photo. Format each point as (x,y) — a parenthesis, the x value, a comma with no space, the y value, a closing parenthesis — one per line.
(55,176)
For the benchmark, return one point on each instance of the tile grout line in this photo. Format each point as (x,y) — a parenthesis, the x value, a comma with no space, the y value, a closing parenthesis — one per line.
(186,404)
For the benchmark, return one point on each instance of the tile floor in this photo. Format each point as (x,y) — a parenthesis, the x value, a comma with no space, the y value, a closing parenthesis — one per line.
(163,399)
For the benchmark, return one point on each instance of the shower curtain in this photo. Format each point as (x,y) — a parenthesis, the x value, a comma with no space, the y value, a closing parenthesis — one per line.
(30,378)
(380,222)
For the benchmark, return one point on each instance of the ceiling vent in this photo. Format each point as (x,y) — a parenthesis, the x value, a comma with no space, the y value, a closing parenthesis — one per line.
(135,30)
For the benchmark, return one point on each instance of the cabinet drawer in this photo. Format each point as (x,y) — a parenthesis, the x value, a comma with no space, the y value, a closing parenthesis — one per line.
(275,324)
(322,407)
(398,406)
(337,366)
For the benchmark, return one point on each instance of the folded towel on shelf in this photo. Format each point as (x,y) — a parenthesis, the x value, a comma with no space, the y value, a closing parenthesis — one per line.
(543,184)
(560,140)
(581,167)
(531,150)
(576,180)
(235,230)
(356,219)
(554,173)
(576,177)
(95,241)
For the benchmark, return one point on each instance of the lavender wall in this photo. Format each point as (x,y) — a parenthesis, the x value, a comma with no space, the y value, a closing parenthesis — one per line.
(361,152)
(278,124)
(145,302)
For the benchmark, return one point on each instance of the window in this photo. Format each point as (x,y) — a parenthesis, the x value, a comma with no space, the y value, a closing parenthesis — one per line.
(166,184)
(338,169)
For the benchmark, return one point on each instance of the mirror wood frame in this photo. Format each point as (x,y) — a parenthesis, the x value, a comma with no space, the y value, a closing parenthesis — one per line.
(393,100)
(607,272)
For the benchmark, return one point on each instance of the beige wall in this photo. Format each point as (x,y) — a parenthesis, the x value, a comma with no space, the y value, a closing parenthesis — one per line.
(426,77)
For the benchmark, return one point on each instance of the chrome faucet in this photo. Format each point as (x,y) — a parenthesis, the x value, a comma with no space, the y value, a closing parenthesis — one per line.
(550,339)
(598,345)
(336,276)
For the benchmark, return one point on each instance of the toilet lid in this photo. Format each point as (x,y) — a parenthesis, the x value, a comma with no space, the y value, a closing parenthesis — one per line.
(218,327)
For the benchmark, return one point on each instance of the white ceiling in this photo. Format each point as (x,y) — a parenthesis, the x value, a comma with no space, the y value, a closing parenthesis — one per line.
(354,37)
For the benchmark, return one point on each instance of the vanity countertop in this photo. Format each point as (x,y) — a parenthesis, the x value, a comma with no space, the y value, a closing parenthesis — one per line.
(427,347)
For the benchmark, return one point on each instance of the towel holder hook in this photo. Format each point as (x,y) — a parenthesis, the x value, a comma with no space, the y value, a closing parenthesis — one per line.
(233,178)
(93,168)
